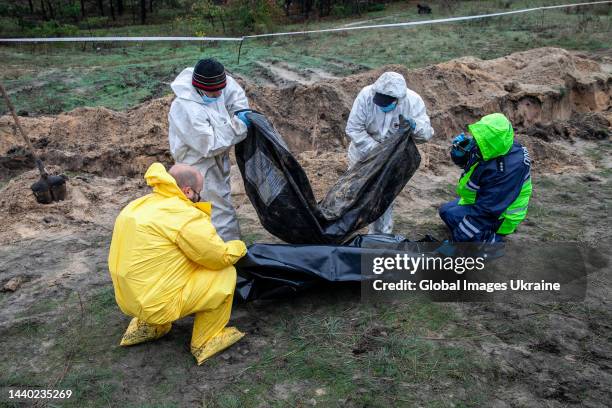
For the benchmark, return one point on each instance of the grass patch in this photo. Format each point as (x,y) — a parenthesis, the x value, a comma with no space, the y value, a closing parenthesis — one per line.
(325,346)
(63,351)
(364,356)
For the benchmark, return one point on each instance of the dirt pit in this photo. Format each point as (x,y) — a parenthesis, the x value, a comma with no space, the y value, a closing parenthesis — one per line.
(62,322)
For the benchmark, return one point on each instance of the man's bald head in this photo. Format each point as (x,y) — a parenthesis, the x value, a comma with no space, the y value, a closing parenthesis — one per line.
(187,176)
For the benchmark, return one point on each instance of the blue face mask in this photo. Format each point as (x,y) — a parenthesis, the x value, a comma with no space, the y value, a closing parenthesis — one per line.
(388,108)
(208,100)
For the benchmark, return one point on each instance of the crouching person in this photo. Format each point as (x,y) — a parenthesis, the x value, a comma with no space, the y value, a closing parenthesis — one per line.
(495,186)
(167,262)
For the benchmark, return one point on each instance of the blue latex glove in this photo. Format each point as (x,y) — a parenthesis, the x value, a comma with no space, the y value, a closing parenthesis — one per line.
(406,124)
(242,116)
(459,138)
(460,148)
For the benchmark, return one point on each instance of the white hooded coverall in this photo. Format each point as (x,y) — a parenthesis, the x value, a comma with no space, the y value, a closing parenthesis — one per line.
(368,126)
(201,135)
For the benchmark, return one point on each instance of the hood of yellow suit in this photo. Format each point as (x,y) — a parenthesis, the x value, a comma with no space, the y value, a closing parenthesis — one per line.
(165,185)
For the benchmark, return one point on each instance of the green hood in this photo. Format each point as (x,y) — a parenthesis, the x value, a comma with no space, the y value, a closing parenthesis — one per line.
(494,135)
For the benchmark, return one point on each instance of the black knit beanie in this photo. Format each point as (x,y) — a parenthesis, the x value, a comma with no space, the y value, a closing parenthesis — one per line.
(209,75)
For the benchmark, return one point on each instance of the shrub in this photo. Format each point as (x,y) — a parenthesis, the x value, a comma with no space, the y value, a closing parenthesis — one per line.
(9,26)
(53,29)
(253,15)
(70,11)
(375,7)
(341,10)
(94,22)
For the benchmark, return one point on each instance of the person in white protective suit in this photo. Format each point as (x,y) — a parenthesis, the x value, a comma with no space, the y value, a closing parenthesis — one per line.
(375,117)
(208,117)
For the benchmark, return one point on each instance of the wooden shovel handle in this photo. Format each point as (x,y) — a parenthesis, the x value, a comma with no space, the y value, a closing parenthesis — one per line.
(39,164)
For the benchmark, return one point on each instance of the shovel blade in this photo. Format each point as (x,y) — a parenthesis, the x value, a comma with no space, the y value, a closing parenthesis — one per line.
(57,185)
(49,189)
(41,192)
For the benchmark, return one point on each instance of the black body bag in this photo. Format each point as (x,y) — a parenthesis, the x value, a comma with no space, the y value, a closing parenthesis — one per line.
(270,271)
(279,190)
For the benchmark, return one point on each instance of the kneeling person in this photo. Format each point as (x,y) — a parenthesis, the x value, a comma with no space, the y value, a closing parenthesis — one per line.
(495,186)
(167,262)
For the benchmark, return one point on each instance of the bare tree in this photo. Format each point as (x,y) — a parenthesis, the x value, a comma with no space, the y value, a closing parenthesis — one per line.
(143,11)
(43,10)
(51,9)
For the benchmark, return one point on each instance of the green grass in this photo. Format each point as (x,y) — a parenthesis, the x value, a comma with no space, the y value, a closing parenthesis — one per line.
(364,355)
(325,346)
(51,78)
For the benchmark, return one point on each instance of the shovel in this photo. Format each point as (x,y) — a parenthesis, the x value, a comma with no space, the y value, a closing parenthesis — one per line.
(48,188)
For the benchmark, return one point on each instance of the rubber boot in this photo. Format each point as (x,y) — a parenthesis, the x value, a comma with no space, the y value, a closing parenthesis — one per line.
(227,337)
(139,332)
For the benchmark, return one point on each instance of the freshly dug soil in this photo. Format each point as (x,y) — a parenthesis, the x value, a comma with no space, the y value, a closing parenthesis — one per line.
(537,89)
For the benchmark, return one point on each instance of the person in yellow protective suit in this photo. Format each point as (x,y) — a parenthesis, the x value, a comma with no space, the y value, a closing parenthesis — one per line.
(167,262)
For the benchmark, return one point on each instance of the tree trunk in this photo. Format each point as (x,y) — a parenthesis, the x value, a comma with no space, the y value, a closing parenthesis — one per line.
(101,7)
(51,9)
(31,6)
(112,9)
(222,22)
(150,6)
(43,10)
(143,11)
(83,8)
(120,7)
(308,7)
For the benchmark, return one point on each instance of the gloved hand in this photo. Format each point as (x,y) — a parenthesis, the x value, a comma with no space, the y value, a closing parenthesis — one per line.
(242,116)
(459,138)
(460,148)
(406,125)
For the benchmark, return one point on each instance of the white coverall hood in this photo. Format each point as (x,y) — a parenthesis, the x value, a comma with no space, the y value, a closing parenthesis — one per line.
(183,88)
(391,84)
(202,135)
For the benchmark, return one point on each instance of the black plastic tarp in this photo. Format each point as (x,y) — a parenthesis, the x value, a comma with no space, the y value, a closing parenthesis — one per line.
(279,190)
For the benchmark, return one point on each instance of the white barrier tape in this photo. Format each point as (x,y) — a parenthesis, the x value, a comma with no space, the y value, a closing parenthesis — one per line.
(110,39)
(328,30)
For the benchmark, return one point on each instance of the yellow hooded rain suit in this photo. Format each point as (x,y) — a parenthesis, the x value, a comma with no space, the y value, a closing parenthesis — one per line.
(167,262)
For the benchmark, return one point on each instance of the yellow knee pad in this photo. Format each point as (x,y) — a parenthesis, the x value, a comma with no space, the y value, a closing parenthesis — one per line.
(139,332)
(220,342)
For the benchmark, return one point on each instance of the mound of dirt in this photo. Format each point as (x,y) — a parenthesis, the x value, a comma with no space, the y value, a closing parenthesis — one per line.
(589,126)
(91,201)
(536,86)
(535,89)
(93,140)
